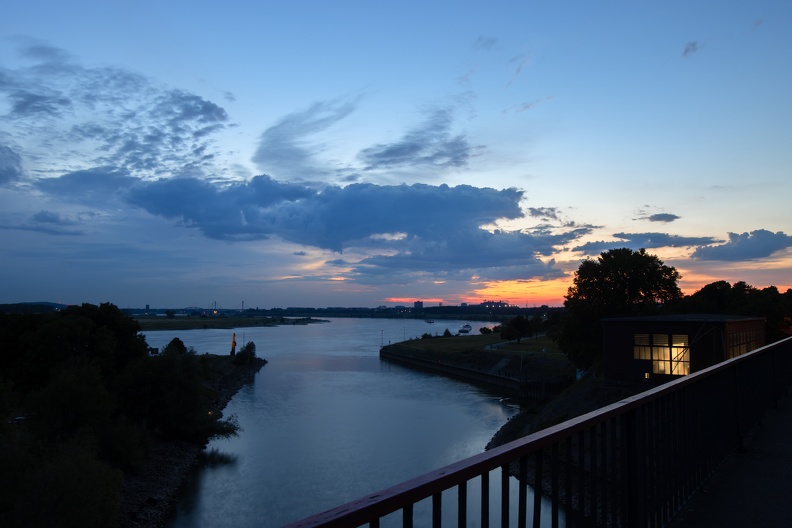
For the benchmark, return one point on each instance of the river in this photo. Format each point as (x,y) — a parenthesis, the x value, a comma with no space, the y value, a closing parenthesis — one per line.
(326,421)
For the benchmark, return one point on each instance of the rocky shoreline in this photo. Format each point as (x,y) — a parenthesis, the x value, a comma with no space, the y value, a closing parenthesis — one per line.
(148,498)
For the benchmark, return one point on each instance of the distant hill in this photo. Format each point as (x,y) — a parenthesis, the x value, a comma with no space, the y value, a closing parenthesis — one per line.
(31,307)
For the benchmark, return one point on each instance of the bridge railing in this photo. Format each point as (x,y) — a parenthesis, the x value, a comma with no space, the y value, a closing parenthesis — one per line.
(632,463)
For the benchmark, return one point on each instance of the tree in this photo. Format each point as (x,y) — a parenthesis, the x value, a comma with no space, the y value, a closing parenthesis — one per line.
(620,282)
(517,328)
(720,297)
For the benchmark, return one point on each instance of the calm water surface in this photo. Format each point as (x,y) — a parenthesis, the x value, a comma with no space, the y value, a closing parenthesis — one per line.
(326,422)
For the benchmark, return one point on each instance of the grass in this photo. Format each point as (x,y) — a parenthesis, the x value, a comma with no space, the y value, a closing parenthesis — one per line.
(535,357)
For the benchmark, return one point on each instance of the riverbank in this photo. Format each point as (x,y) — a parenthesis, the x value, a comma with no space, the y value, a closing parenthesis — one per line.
(520,370)
(529,370)
(154,322)
(149,496)
(585,395)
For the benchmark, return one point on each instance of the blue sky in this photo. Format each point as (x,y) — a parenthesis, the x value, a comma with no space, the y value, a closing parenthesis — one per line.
(362,154)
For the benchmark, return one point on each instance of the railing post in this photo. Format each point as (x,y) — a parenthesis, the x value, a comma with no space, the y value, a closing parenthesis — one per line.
(634,466)
(485,498)
(538,488)
(437,510)
(462,504)
(505,496)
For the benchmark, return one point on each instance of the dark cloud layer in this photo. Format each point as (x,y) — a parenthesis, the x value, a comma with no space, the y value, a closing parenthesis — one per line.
(404,229)
(752,245)
(88,186)
(10,165)
(331,218)
(644,240)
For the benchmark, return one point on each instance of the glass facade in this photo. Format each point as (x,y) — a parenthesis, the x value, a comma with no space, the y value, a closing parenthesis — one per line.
(743,342)
(669,353)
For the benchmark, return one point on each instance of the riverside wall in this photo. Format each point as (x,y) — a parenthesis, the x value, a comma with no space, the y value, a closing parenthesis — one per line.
(507,386)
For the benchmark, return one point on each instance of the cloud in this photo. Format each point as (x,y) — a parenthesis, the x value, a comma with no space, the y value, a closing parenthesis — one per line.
(48,222)
(691,48)
(329,218)
(10,165)
(546,213)
(48,217)
(524,107)
(92,186)
(284,149)
(746,246)
(427,146)
(236,211)
(70,117)
(662,217)
(522,61)
(389,232)
(485,43)
(488,256)
(643,240)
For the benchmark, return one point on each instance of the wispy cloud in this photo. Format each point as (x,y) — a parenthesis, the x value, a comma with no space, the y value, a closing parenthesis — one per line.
(524,107)
(691,48)
(430,145)
(522,60)
(485,43)
(286,150)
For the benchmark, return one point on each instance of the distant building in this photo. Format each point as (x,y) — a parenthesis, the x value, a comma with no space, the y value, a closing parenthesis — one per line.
(418,306)
(494,304)
(658,349)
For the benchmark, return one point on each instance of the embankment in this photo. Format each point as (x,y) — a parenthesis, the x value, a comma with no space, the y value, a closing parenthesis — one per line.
(538,389)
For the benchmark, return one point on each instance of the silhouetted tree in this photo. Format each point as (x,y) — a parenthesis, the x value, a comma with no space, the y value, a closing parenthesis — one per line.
(517,328)
(720,297)
(620,282)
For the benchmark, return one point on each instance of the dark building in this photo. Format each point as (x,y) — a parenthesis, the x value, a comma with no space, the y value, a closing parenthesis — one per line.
(658,349)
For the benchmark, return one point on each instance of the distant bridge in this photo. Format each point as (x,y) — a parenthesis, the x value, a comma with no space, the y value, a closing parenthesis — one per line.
(632,463)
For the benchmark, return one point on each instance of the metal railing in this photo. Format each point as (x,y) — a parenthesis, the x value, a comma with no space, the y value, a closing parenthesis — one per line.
(632,463)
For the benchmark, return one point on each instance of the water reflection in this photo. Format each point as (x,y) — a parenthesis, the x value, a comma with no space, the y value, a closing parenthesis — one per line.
(326,422)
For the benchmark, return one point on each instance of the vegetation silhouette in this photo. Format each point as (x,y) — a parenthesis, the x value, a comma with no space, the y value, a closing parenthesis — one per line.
(622,283)
(82,400)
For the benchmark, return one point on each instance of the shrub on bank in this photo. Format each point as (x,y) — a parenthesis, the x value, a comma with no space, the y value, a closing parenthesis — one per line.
(246,355)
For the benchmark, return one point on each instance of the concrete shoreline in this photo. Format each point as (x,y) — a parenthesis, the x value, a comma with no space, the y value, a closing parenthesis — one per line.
(508,386)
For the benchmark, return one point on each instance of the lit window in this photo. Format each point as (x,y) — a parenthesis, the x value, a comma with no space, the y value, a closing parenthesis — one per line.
(669,354)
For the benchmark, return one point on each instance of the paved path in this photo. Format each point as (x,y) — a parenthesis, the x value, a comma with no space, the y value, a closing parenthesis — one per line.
(752,488)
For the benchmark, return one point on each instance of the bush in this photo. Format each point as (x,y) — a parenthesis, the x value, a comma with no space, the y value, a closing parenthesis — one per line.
(246,354)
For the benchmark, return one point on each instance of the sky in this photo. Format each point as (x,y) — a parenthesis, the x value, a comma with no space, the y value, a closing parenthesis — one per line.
(357,153)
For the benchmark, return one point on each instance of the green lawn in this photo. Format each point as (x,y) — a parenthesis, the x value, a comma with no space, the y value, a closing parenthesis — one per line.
(536,357)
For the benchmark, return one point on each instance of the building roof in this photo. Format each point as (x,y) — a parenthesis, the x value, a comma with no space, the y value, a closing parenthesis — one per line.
(685,318)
